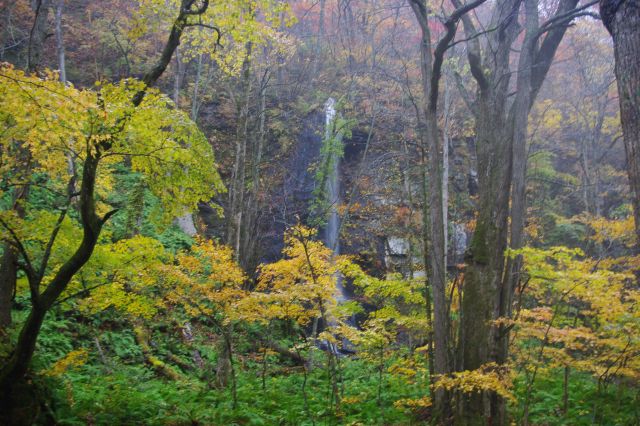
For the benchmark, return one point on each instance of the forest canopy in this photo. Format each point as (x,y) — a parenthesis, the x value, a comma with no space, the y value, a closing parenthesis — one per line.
(340,212)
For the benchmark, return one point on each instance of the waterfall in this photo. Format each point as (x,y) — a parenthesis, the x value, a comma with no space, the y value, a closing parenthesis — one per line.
(332,228)
(332,188)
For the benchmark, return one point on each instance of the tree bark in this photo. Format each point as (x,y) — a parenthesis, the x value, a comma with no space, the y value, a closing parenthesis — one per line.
(483,277)
(435,245)
(445,173)
(60,41)
(8,271)
(434,241)
(10,256)
(17,364)
(142,338)
(38,34)
(501,152)
(237,190)
(9,260)
(253,204)
(622,20)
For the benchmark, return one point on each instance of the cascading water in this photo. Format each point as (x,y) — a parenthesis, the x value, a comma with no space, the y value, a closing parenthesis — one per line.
(332,229)
(332,188)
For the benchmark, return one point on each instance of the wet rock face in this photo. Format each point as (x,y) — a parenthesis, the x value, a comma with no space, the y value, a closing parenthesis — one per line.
(291,182)
(459,242)
(292,194)
(397,246)
(472,182)
(299,182)
(354,148)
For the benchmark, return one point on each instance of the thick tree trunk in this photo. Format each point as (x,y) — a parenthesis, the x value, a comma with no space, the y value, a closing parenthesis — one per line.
(435,244)
(484,274)
(501,151)
(622,19)
(483,278)
(518,122)
(17,365)
(253,204)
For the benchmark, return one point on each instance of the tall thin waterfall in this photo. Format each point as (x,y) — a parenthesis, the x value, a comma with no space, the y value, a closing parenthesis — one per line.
(332,188)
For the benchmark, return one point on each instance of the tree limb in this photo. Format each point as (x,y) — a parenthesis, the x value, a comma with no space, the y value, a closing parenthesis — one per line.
(52,239)
(474,55)
(443,45)
(152,76)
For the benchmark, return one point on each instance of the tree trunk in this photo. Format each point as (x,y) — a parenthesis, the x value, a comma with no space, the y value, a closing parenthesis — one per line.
(435,245)
(8,270)
(237,187)
(38,34)
(253,204)
(518,120)
(319,40)
(142,338)
(17,364)
(184,222)
(9,265)
(622,19)
(501,152)
(483,278)
(60,41)
(445,173)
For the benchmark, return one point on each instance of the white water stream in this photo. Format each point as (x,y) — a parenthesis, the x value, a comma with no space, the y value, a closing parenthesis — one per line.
(332,188)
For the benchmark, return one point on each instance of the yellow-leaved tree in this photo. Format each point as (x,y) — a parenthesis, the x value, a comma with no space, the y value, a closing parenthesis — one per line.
(397,312)
(579,313)
(223,31)
(207,284)
(300,287)
(69,144)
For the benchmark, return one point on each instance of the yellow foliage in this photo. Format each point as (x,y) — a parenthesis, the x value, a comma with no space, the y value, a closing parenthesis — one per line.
(489,377)
(351,400)
(413,403)
(205,281)
(73,359)
(123,276)
(301,286)
(586,316)
(607,230)
(47,124)
(399,302)
(238,23)
(407,368)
